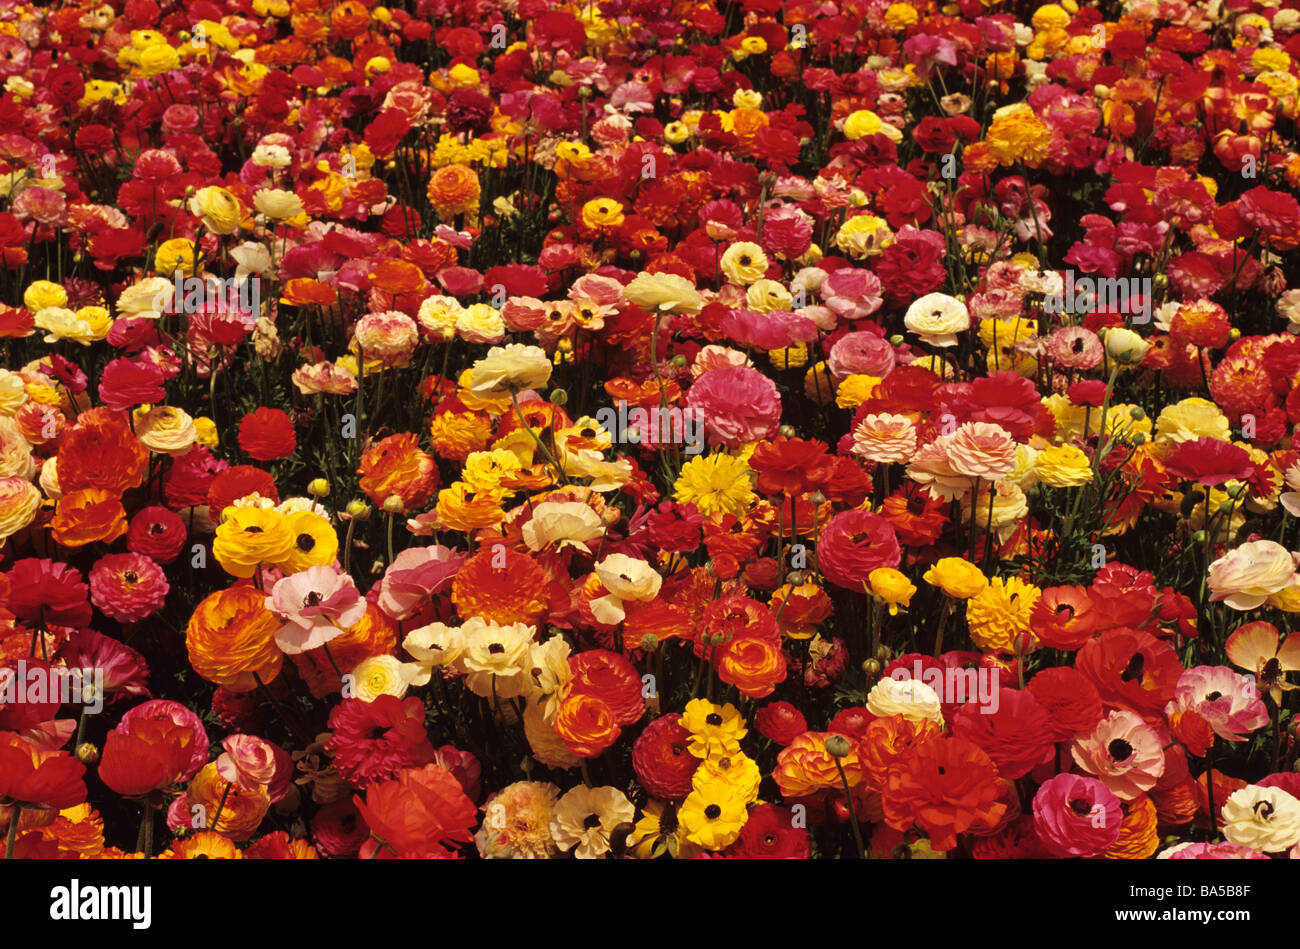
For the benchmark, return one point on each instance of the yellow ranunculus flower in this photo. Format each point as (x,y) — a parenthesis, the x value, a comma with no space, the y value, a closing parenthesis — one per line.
(250,536)
(957,577)
(744,262)
(1063,466)
(173,255)
(220,210)
(42,293)
(892,587)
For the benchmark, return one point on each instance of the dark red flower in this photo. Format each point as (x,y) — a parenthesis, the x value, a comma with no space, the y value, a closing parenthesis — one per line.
(1016,734)
(372,741)
(770,834)
(45,593)
(267,434)
(780,722)
(661,760)
(1209,461)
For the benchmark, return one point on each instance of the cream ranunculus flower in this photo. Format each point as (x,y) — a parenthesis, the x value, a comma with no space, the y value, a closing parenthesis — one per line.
(586,817)
(1263,819)
(220,210)
(13,392)
(433,646)
(166,429)
(911,698)
(148,298)
(563,523)
(494,657)
(1125,346)
(61,323)
(626,578)
(15,451)
(665,292)
(278,204)
(549,674)
(1244,578)
(376,676)
(937,318)
(511,368)
(19,502)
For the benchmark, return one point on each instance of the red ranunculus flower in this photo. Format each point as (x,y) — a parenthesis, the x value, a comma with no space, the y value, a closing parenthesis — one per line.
(661,759)
(853,544)
(419,812)
(267,434)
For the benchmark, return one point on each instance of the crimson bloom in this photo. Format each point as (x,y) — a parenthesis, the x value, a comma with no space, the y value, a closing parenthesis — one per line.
(853,544)
(267,434)
(34,777)
(1209,461)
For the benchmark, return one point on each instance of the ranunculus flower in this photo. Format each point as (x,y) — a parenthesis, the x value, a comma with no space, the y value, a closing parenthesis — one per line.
(1077,816)
(854,543)
(739,405)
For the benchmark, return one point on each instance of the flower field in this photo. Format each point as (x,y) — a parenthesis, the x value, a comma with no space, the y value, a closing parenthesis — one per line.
(649,430)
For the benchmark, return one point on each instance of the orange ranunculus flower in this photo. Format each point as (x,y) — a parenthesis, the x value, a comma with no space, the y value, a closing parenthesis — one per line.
(504,587)
(397,276)
(85,516)
(805,766)
(1137,835)
(373,635)
(586,724)
(78,830)
(305,291)
(242,811)
(205,845)
(453,190)
(656,618)
(350,19)
(231,639)
(888,739)
(754,666)
(396,465)
(801,609)
(461,508)
(455,435)
(419,811)
(943,787)
(100,451)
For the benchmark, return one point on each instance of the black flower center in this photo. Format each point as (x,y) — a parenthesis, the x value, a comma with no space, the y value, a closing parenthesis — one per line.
(713,812)
(593,820)
(1134,668)
(1119,749)
(306,542)
(496,649)
(714,719)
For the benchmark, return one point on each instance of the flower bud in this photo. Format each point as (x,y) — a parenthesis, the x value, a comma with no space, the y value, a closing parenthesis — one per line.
(786,431)
(896,340)
(358,510)
(87,753)
(679,361)
(1136,413)
(1199,537)
(393,504)
(1125,346)
(318,488)
(1226,507)
(837,746)
(649,642)
(871,667)
(559,397)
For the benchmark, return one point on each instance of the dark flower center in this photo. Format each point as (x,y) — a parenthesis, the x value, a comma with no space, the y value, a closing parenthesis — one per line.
(714,719)
(713,812)
(1263,809)
(1080,806)
(496,649)
(306,542)
(130,577)
(253,530)
(313,599)
(1213,696)
(744,260)
(1119,749)
(593,820)
(1134,668)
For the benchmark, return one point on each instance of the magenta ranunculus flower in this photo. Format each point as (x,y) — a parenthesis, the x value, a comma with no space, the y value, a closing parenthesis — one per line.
(739,405)
(128,587)
(316,605)
(125,670)
(1077,816)
(1227,700)
(853,544)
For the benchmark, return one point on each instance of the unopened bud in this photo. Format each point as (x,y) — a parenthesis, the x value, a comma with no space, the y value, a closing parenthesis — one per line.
(1199,537)
(559,397)
(649,642)
(358,510)
(1226,507)
(87,753)
(896,340)
(318,488)
(786,431)
(837,746)
(393,504)
(679,360)
(871,667)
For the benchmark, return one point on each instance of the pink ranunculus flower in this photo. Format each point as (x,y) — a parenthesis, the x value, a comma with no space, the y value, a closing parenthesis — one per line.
(128,587)
(931,468)
(851,293)
(415,575)
(739,405)
(316,605)
(178,713)
(853,544)
(717,357)
(1210,851)
(1124,752)
(248,761)
(1227,700)
(862,352)
(1077,816)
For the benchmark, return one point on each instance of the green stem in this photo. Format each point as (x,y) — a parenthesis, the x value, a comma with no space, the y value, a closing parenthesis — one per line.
(853,816)
(12,836)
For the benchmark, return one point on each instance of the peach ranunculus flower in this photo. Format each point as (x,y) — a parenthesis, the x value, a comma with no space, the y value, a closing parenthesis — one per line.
(1244,578)
(513,367)
(247,761)
(931,468)
(885,438)
(718,357)
(982,450)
